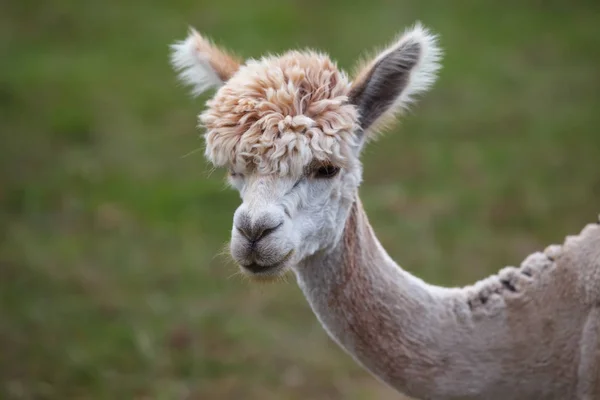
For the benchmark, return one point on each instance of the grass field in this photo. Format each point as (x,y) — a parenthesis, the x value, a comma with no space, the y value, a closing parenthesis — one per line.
(111,286)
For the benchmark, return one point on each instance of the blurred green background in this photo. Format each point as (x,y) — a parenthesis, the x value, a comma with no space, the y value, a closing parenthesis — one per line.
(111,283)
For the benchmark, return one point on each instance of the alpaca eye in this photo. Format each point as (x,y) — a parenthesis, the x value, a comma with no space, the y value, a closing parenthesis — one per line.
(327,171)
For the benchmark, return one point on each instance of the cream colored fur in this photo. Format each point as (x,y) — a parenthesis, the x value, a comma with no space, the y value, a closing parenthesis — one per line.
(290,128)
(279,114)
(201,64)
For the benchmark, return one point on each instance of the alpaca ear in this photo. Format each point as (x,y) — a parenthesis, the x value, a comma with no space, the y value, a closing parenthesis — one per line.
(389,82)
(200,64)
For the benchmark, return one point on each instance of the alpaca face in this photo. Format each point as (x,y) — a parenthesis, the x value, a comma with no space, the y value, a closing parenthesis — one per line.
(290,129)
(284,219)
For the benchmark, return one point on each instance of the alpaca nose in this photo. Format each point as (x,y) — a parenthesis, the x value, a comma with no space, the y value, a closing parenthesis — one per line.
(255,229)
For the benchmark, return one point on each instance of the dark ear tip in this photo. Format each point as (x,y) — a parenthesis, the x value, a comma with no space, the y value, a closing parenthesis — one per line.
(390,83)
(409,55)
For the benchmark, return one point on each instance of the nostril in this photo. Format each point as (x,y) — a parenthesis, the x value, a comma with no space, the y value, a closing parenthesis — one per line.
(244,233)
(258,233)
(266,232)
(255,227)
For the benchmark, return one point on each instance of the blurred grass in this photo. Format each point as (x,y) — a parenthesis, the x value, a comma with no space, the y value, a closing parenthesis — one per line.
(110,283)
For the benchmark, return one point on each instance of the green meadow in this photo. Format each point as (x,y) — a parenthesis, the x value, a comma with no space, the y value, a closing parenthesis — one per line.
(114,282)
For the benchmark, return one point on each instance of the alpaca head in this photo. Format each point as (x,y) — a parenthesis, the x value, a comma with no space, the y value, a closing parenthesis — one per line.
(290,129)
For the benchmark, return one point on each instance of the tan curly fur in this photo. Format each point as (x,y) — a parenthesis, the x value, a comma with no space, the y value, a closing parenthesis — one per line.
(280,114)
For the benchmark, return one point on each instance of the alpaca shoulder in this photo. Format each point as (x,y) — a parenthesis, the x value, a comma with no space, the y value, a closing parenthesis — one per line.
(581,254)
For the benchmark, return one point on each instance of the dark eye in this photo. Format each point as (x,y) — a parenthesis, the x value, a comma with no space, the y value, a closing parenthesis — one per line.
(326,171)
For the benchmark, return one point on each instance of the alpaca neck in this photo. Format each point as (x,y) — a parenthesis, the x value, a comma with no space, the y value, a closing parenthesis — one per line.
(387,319)
(430,342)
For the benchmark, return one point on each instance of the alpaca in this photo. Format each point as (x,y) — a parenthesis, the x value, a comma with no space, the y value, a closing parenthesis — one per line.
(290,129)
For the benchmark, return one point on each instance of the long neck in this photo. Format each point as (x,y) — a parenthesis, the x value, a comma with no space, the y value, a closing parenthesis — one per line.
(426,341)
(387,319)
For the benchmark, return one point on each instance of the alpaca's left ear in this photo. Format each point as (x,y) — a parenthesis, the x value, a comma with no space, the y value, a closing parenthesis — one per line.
(200,64)
(389,82)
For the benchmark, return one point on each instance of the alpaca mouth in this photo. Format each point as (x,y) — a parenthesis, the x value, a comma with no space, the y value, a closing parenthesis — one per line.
(270,269)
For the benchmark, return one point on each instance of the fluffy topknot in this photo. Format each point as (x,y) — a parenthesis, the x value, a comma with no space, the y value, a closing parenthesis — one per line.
(280,114)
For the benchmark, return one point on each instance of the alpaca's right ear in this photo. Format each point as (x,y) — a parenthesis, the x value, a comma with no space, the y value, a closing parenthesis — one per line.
(388,83)
(200,64)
